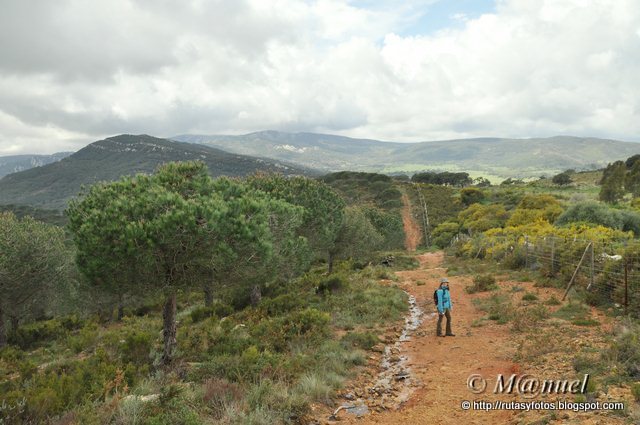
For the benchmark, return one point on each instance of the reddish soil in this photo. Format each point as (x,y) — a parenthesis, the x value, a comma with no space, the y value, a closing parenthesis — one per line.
(444,364)
(411,228)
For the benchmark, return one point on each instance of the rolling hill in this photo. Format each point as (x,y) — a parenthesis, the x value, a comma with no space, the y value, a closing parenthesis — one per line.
(14,163)
(52,186)
(491,157)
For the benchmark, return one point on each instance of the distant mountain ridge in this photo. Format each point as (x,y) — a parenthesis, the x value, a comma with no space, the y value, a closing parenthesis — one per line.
(14,163)
(53,185)
(497,157)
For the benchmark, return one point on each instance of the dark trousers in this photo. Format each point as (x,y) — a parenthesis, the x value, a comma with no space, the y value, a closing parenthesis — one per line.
(440,316)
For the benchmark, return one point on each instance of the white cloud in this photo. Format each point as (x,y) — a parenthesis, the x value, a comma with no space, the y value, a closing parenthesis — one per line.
(80,71)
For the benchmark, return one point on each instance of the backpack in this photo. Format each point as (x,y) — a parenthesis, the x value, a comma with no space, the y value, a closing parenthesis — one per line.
(435,297)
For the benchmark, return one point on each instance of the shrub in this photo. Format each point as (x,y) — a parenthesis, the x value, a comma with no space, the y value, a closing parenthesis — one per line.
(635,390)
(482,283)
(562,179)
(30,334)
(85,339)
(283,304)
(572,311)
(278,332)
(316,388)
(364,340)
(136,347)
(529,297)
(278,401)
(218,394)
(625,351)
(596,213)
(330,285)
(218,309)
(498,307)
(444,233)
(553,301)
(71,322)
(471,195)
(527,318)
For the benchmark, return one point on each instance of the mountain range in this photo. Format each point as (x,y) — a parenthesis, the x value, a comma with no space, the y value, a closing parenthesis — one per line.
(14,163)
(51,186)
(54,179)
(496,158)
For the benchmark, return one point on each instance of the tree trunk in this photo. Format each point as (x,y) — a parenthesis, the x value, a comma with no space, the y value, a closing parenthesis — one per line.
(15,322)
(120,308)
(330,262)
(169,328)
(256,295)
(208,294)
(3,330)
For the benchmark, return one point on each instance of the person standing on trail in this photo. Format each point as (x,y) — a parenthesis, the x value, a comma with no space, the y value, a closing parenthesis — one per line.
(444,304)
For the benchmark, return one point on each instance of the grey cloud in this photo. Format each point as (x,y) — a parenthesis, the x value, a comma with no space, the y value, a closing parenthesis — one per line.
(72,70)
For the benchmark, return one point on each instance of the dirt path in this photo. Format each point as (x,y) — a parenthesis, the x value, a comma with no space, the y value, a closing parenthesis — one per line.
(413,234)
(443,365)
(440,367)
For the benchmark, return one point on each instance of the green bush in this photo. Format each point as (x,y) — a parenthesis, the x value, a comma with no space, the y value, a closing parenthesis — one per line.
(597,213)
(482,283)
(283,304)
(71,322)
(364,340)
(635,390)
(498,308)
(85,339)
(249,366)
(136,347)
(444,233)
(572,311)
(471,195)
(65,384)
(31,334)
(278,332)
(625,350)
(529,297)
(330,285)
(278,402)
(553,301)
(218,309)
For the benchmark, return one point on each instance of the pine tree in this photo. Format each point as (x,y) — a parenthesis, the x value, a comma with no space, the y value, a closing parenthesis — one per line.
(632,180)
(613,182)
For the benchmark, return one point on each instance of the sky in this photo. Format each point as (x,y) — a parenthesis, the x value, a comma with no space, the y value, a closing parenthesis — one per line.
(73,71)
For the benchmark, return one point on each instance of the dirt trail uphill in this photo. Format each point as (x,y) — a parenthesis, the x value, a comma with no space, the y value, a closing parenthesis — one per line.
(442,365)
(438,368)
(413,233)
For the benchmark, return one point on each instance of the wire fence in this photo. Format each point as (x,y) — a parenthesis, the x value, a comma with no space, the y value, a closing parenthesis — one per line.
(606,272)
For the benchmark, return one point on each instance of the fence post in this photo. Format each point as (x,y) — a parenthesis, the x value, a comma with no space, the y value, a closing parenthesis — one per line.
(592,269)
(576,271)
(553,256)
(626,287)
(526,252)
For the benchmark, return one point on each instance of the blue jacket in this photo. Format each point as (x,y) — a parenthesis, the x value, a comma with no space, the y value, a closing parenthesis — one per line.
(444,300)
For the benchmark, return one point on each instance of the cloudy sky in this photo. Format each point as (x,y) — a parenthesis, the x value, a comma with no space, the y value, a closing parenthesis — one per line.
(74,71)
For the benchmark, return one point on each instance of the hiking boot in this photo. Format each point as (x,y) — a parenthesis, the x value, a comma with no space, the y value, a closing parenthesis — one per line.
(450,335)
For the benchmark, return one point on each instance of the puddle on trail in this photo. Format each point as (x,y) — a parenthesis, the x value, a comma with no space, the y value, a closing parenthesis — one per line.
(395,383)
